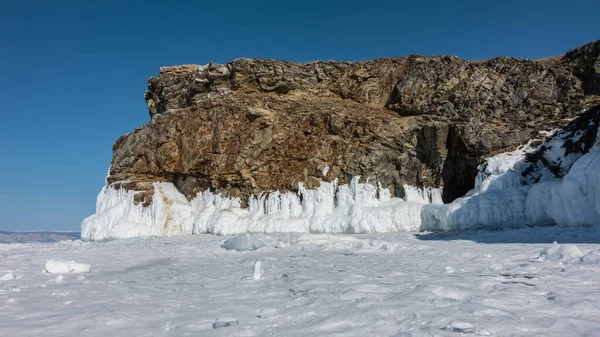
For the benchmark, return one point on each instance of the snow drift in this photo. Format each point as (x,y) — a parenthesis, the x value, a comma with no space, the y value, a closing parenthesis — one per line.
(555,183)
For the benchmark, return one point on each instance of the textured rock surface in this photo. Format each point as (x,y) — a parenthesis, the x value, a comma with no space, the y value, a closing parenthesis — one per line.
(255,125)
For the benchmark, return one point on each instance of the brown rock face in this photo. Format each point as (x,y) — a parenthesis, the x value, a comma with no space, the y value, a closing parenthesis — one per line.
(255,125)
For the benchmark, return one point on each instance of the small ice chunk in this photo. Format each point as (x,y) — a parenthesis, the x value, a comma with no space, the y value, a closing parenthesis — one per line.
(225,324)
(80,268)
(267,313)
(11,301)
(80,278)
(325,170)
(562,253)
(451,293)
(242,242)
(496,267)
(59,278)
(483,332)
(463,327)
(388,247)
(10,275)
(257,272)
(65,267)
(449,270)
(59,267)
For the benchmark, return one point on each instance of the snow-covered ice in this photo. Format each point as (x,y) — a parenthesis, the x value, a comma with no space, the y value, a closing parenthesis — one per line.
(517,281)
(315,284)
(350,208)
(65,267)
(242,242)
(460,326)
(563,253)
(8,275)
(267,313)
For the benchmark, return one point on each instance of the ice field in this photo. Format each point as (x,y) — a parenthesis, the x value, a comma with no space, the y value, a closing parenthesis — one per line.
(500,283)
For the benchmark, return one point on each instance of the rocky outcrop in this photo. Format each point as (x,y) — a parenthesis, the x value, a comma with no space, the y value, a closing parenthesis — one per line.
(254,125)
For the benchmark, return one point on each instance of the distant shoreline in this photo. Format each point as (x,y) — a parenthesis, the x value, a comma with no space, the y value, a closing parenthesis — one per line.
(7,237)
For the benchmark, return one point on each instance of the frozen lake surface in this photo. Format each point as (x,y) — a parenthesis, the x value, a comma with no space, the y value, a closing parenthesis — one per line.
(499,283)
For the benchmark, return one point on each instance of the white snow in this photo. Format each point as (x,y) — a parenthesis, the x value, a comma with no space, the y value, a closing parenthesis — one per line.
(318,285)
(460,326)
(562,253)
(242,242)
(502,197)
(571,201)
(65,267)
(592,257)
(9,275)
(267,313)
(257,270)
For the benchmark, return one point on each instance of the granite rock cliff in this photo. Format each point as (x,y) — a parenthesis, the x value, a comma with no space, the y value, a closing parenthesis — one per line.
(256,125)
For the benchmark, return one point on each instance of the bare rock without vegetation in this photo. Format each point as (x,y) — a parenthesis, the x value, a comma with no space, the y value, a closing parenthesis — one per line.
(257,125)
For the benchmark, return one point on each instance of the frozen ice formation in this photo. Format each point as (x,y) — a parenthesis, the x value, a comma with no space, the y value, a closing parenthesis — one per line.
(331,208)
(257,270)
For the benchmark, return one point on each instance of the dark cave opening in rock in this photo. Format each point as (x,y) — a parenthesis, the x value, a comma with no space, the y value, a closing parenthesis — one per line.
(460,167)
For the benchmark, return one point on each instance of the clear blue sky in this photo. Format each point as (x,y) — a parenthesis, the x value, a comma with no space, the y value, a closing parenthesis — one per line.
(73,76)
